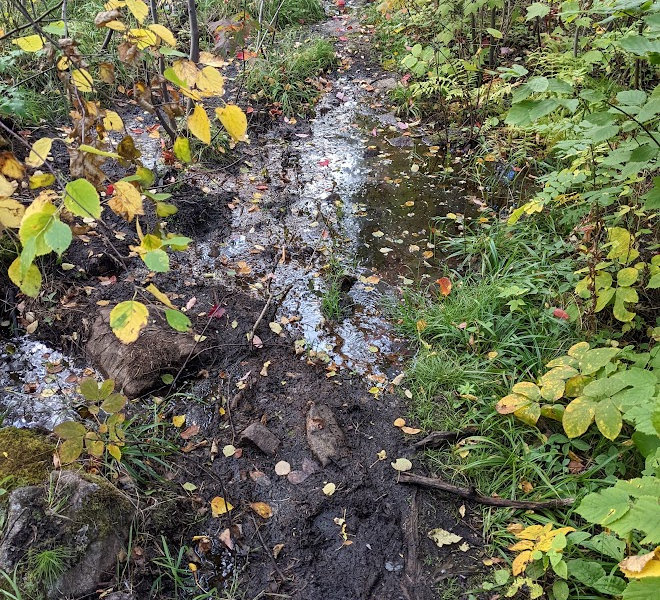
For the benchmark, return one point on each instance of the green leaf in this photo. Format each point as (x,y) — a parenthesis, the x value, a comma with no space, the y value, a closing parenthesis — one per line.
(70,450)
(538,84)
(623,296)
(610,585)
(70,430)
(560,590)
(58,236)
(627,276)
(608,419)
(643,589)
(82,199)
(593,360)
(157,260)
(537,10)
(163,209)
(600,134)
(578,416)
(177,320)
(114,403)
(495,33)
(631,97)
(585,571)
(182,150)
(605,506)
(90,389)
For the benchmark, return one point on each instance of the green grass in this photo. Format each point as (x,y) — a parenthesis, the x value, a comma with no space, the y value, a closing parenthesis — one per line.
(286,76)
(46,566)
(331,301)
(495,328)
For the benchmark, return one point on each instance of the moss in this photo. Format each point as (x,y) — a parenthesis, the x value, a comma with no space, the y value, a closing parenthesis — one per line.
(100,506)
(25,457)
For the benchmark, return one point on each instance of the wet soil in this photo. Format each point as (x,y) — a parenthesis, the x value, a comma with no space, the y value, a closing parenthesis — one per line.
(355,187)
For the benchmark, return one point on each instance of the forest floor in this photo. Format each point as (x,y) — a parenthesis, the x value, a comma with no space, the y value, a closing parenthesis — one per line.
(333,204)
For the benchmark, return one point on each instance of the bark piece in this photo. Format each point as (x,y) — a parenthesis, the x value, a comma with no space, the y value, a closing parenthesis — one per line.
(262,437)
(324,436)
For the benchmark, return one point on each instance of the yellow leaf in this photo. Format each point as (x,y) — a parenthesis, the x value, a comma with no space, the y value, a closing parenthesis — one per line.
(39,180)
(645,565)
(262,509)
(233,120)
(210,81)
(178,420)
(39,152)
(199,124)
(163,33)
(156,293)
(207,58)
(115,26)
(10,167)
(143,38)
(127,319)
(520,562)
(30,43)
(114,451)
(139,9)
(112,121)
(7,188)
(219,506)
(329,489)
(30,283)
(127,201)
(107,72)
(82,80)
(11,213)
(186,71)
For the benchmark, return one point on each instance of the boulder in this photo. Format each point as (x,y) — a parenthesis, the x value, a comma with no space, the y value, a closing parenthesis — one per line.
(81,518)
(136,367)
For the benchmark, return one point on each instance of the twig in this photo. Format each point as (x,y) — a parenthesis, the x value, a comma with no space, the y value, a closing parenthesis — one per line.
(31,23)
(264,310)
(472,494)
(270,554)
(438,438)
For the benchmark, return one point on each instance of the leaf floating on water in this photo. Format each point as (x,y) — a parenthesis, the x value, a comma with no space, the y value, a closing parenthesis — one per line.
(401,464)
(219,506)
(442,537)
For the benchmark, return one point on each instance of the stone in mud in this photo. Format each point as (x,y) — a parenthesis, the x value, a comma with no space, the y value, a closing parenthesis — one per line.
(261,437)
(402,141)
(385,85)
(82,516)
(137,367)
(324,436)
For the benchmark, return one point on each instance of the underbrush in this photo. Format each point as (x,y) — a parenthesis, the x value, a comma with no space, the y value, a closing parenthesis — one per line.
(286,77)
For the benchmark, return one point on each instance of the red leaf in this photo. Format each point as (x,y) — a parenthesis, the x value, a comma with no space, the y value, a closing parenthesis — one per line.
(561,314)
(445,285)
(324,163)
(110,190)
(190,432)
(217,311)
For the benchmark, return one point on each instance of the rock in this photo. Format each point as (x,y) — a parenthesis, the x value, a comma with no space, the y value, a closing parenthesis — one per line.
(385,85)
(261,437)
(83,516)
(137,367)
(26,457)
(324,436)
(402,141)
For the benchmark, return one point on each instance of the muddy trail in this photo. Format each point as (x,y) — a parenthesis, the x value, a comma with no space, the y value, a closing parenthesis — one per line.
(320,395)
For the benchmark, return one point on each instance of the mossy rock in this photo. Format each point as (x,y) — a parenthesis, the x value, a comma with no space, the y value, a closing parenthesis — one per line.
(26,457)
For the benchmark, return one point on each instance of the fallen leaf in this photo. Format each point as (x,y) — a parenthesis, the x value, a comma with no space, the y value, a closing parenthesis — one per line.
(399,422)
(442,537)
(190,432)
(445,285)
(401,464)
(178,420)
(277,548)
(219,506)
(410,430)
(329,489)
(189,487)
(282,468)
(262,509)
(229,450)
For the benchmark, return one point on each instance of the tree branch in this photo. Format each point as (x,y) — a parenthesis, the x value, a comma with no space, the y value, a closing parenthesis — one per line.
(474,495)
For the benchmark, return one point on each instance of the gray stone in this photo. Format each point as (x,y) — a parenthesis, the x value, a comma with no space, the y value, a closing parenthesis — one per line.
(261,437)
(83,515)
(386,85)
(137,367)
